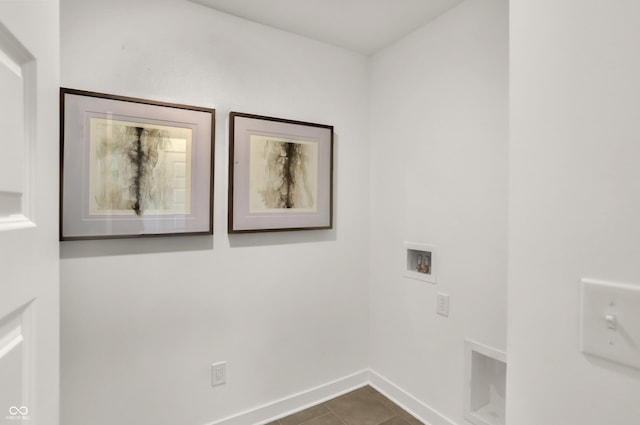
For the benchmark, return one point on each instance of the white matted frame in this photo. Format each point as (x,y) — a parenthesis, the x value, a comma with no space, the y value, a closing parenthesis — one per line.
(133,167)
(280,174)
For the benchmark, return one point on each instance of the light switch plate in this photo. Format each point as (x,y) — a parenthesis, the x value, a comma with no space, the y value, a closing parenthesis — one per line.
(610,322)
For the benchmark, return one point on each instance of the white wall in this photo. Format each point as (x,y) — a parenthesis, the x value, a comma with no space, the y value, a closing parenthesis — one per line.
(439,176)
(143,319)
(574,202)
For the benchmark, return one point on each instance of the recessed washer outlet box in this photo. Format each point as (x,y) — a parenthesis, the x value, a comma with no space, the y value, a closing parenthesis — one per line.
(421,262)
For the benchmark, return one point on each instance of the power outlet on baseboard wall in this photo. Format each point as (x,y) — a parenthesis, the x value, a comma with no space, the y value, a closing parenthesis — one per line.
(218,374)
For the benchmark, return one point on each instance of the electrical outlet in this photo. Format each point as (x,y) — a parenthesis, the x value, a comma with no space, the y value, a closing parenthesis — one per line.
(218,374)
(442,307)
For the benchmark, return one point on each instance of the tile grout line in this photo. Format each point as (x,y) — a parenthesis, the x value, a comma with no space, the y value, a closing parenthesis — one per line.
(399,411)
(334,414)
(319,416)
(396,411)
(388,419)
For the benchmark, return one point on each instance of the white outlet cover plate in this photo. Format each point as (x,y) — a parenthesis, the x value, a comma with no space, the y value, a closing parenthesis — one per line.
(616,339)
(218,374)
(442,307)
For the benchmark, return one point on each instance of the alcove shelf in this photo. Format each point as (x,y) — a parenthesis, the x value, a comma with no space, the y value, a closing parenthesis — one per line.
(485,384)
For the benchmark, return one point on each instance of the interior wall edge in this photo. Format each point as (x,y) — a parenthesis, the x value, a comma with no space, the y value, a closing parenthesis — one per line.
(407,401)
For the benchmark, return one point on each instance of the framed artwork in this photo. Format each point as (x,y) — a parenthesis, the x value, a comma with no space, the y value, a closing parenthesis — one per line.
(280,174)
(133,167)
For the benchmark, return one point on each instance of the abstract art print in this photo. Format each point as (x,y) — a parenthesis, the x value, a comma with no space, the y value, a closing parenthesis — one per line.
(139,168)
(133,167)
(283,175)
(280,173)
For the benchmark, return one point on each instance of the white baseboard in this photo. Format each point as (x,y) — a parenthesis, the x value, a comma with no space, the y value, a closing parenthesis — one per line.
(421,411)
(286,406)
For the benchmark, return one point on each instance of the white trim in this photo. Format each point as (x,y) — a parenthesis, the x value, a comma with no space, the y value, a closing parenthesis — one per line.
(286,406)
(494,353)
(15,222)
(297,402)
(412,405)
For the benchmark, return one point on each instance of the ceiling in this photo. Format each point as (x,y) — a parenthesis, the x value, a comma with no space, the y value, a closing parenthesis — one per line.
(363,26)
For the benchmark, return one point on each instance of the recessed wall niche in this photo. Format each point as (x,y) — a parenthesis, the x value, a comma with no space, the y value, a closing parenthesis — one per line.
(421,262)
(485,384)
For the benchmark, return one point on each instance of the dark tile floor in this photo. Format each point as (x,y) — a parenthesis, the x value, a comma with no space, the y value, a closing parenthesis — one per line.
(364,406)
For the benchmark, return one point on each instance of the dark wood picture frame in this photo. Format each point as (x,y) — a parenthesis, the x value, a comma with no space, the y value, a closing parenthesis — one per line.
(133,167)
(280,174)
